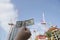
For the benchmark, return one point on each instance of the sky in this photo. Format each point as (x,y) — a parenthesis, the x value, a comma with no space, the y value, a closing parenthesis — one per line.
(27,9)
(34,8)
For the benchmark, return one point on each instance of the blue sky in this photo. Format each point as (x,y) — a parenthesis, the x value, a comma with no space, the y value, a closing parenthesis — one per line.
(34,9)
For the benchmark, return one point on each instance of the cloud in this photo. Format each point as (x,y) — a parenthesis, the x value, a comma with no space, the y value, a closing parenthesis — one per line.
(40,29)
(43,27)
(4,1)
(7,12)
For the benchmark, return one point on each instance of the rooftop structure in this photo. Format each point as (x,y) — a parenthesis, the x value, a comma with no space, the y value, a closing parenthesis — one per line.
(41,37)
